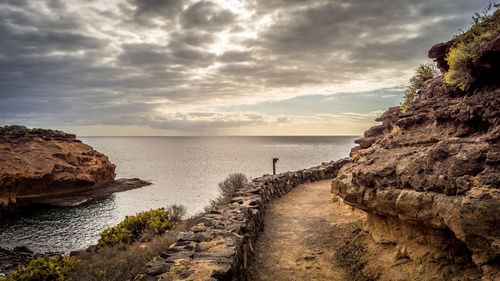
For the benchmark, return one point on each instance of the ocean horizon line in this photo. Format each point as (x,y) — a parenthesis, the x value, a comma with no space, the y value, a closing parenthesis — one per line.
(216,136)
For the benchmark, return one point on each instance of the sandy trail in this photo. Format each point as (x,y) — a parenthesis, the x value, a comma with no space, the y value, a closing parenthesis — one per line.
(301,232)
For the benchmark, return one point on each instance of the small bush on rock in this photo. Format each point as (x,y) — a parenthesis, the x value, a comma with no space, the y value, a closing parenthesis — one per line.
(56,267)
(422,73)
(132,227)
(176,212)
(227,187)
(16,127)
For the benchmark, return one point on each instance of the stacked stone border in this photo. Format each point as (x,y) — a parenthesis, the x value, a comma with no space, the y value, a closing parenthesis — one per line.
(220,246)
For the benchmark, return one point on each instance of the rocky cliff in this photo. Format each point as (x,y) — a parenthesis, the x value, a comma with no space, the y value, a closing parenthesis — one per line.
(40,163)
(429,178)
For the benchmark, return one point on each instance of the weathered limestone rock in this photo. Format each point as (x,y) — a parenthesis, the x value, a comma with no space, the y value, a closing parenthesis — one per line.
(45,163)
(436,167)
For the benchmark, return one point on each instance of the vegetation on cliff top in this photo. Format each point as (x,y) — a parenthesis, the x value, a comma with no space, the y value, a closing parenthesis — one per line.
(422,73)
(467,45)
(15,127)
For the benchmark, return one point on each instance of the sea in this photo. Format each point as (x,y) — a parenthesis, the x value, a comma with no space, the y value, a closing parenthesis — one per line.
(183,170)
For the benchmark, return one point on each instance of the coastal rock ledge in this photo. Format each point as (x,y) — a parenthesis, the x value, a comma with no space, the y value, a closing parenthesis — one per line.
(49,167)
(429,178)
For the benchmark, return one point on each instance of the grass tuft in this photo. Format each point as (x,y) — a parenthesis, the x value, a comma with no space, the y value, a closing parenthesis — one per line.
(227,188)
(176,212)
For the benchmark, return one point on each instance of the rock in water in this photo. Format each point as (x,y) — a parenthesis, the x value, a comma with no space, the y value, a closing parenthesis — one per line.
(434,170)
(46,163)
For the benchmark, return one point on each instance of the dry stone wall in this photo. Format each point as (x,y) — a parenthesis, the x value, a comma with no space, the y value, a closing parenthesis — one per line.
(220,245)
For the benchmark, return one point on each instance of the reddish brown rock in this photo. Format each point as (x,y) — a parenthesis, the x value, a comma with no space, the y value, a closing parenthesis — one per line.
(438,52)
(44,163)
(434,167)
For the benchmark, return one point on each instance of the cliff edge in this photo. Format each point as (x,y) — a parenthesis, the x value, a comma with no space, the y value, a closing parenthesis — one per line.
(41,163)
(429,178)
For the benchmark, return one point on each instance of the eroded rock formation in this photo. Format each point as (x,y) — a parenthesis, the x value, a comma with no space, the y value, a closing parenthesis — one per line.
(45,163)
(433,172)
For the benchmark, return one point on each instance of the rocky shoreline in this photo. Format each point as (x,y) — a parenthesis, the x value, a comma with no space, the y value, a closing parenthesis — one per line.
(77,198)
(51,167)
(48,168)
(18,256)
(22,255)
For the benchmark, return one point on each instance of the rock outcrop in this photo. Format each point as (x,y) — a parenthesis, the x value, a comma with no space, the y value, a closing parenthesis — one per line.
(438,53)
(482,69)
(40,163)
(429,179)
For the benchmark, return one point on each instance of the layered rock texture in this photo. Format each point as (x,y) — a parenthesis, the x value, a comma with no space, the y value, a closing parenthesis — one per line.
(37,164)
(430,178)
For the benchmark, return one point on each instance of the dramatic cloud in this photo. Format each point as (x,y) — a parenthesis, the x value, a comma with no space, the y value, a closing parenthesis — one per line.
(167,9)
(215,67)
(207,16)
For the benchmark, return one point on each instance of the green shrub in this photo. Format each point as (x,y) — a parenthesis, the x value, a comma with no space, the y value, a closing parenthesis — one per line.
(16,127)
(422,73)
(176,212)
(56,267)
(467,45)
(227,187)
(132,227)
(125,262)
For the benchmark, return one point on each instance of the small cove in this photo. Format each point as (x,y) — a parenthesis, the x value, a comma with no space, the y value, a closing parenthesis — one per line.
(183,170)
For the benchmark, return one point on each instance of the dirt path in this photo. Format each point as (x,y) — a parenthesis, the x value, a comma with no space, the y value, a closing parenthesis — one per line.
(301,232)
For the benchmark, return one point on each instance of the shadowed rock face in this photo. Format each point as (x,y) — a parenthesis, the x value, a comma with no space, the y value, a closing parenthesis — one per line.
(437,165)
(482,69)
(39,163)
(438,53)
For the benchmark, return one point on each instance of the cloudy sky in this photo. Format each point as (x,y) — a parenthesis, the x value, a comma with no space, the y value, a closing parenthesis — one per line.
(214,67)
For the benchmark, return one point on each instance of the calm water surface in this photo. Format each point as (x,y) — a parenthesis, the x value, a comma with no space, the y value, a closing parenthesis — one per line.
(184,170)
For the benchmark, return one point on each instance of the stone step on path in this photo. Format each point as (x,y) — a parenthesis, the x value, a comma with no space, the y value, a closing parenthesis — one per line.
(301,231)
